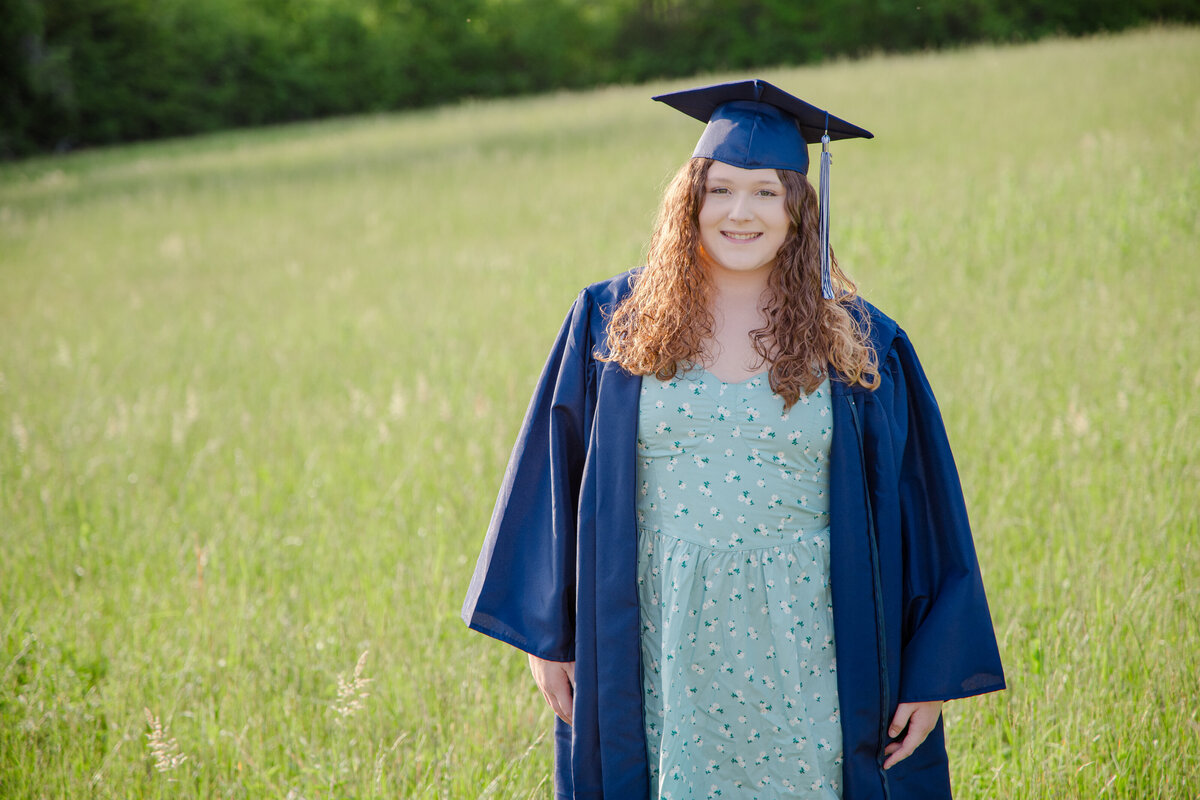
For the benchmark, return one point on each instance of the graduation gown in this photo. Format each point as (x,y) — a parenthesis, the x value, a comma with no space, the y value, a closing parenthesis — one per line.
(557,573)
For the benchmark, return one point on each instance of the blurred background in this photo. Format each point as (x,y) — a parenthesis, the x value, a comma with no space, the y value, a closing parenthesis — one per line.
(259,382)
(86,72)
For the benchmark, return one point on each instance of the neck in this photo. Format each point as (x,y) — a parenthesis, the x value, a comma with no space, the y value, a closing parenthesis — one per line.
(736,304)
(738,287)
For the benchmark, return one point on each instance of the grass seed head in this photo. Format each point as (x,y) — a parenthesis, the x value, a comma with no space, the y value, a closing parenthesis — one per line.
(352,692)
(163,746)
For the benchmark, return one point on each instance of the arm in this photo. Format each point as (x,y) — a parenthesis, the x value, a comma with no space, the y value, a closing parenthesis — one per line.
(523,589)
(949,647)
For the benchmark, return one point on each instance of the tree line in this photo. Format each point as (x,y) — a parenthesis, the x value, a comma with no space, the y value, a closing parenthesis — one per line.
(78,73)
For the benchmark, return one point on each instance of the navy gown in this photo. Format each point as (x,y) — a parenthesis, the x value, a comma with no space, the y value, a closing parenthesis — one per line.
(557,573)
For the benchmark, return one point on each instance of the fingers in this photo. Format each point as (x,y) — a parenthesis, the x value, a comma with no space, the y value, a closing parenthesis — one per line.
(558,706)
(898,751)
(904,713)
(559,694)
(556,681)
(920,719)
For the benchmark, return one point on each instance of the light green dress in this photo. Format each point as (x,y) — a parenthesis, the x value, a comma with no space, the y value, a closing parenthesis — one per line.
(738,667)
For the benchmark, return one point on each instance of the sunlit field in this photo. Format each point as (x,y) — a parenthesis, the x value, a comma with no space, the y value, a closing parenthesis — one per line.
(257,391)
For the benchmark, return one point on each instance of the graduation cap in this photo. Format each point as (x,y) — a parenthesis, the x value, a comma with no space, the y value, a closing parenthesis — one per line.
(756,125)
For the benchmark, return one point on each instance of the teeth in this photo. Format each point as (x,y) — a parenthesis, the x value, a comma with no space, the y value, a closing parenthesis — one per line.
(741,236)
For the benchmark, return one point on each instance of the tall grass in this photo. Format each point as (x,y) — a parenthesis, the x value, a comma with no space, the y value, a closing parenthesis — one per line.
(257,391)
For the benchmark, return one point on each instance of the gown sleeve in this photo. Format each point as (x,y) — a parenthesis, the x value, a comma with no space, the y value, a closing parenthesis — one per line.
(949,647)
(523,589)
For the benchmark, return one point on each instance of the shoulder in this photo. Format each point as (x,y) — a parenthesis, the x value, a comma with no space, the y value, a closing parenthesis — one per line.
(884,333)
(900,370)
(611,291)
(586,326)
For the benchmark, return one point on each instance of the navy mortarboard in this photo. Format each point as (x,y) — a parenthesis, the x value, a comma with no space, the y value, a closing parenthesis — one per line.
(756,125)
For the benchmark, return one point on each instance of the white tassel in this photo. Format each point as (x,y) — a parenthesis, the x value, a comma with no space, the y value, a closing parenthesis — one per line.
(826,276)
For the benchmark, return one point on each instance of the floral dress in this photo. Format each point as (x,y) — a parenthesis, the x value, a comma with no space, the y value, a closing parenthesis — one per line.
(738,669)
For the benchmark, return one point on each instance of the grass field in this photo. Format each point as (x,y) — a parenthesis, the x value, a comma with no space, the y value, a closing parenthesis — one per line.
(257,391)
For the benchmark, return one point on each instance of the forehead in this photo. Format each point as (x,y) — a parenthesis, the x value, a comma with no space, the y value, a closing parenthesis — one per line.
(727,173)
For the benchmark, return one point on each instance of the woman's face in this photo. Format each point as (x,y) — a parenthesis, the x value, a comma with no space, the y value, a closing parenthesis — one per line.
(744,219)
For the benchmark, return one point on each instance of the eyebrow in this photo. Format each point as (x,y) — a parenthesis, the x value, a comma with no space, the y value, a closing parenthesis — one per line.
(764,182)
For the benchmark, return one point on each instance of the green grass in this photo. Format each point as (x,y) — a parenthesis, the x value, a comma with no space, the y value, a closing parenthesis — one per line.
(257,391)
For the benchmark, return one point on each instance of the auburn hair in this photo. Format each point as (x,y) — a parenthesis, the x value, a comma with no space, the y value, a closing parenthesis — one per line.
(665,324)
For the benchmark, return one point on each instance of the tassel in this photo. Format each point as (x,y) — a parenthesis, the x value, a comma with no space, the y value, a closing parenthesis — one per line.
(826,160)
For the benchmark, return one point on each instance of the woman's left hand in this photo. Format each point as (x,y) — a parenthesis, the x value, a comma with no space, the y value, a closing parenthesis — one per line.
(920,718)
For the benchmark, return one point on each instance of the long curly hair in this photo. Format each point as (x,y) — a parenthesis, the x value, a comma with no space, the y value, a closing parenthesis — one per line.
(665,324)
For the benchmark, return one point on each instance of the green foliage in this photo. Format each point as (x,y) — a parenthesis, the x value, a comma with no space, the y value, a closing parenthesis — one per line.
(257,391)
(36,93)
(88,72)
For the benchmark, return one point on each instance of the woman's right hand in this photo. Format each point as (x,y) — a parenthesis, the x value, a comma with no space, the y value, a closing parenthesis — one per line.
(556,680)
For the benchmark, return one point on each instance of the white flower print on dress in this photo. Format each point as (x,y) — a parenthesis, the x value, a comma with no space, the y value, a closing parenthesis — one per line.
(722,586)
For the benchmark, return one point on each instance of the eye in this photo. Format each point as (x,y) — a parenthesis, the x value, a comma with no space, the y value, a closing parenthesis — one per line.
(767,193)
(718,190)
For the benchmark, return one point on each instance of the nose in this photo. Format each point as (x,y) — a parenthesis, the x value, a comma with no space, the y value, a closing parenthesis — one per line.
(739,209)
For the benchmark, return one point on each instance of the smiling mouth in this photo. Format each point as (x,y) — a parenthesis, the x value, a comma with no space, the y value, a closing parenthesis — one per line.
(740,237)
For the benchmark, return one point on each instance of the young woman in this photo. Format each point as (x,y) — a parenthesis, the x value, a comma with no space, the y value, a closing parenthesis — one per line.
(731,536)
